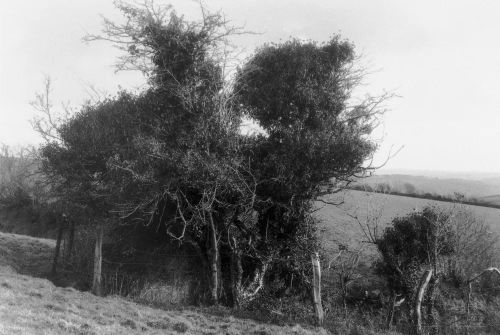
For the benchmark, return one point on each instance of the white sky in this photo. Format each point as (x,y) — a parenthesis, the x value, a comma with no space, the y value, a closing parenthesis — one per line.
(440,57)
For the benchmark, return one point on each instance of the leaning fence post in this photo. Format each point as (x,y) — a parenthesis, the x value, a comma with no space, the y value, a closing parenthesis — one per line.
(318,308)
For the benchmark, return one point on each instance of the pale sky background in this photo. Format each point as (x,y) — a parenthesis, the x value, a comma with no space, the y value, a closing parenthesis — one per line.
(441,57)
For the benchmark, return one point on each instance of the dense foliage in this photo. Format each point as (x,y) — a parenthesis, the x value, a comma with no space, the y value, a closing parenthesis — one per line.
(413,242)
(174,158)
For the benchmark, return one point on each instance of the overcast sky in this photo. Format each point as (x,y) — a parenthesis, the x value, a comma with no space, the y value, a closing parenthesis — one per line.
(441,58)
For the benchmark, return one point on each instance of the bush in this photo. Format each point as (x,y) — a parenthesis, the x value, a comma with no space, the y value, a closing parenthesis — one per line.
(418,240)
(17,183)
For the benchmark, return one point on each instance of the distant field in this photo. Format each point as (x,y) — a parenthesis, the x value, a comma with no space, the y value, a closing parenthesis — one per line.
(338,227)
(476,187)
(492,199)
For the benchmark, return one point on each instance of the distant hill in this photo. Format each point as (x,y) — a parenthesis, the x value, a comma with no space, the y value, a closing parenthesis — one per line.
(468,175)
(491,199)
(485,187)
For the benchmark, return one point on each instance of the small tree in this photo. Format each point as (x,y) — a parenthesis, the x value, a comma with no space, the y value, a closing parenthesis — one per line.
(345,268)
(451,243)
(414,243)
(475,246)
(409,188)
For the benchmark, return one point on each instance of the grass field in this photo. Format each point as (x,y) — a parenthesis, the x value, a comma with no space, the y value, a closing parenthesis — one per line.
(338,227)
(31,305)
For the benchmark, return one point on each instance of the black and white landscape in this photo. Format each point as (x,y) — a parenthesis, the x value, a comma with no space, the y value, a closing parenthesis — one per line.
(249,167)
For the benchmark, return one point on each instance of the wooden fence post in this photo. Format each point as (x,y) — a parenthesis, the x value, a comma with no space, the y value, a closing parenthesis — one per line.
(318,307)
(96,283)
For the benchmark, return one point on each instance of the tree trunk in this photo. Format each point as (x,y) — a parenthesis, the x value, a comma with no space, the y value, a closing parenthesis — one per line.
(318,308)
(344,298)
(236,277)
(431,300)
(96,283)
(214,263)
(390,312)
(245,293)
(71,240)
(201,284)
(424,281)
(58,247)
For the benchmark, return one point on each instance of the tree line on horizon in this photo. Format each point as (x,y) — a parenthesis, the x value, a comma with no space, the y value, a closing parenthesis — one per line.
(410,190)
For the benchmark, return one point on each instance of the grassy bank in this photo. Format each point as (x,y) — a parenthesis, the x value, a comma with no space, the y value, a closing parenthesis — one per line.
(36,306)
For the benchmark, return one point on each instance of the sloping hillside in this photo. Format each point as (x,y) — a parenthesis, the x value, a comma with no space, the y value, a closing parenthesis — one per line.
(339,227)
(491,199)
(31,305)
(25,255)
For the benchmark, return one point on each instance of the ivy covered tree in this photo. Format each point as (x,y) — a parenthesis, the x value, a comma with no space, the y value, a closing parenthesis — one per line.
(315,141)
(174,157)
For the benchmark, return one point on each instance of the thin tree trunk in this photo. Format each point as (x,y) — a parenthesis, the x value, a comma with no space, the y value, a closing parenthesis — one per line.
(245,293)
(390,315)
(424,281)
(318,307)
(236,277)
(58,247)
(344,298)
(96,283)
(214,263)
(431,300)
(71,240)
(201,284)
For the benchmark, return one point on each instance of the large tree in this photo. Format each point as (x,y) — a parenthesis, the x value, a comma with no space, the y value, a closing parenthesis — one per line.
(174,156)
